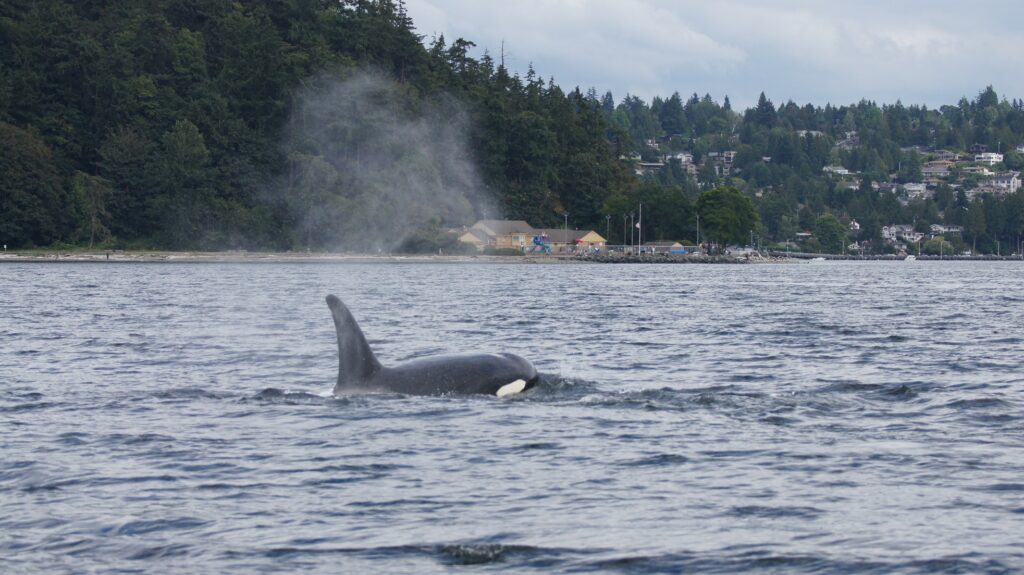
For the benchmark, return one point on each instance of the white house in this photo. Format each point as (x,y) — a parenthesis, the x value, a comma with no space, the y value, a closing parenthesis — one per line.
(990,158)
(837,170)
(1009,181)
(943,229)
(683,157)
(901,231)
(916,190)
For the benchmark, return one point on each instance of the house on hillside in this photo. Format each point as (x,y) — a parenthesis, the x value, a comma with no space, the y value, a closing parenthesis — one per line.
(916,190)
(977,170)
(648,168)
(939,229)
(1009,181)
(937,169)
(989,158)
(900,231)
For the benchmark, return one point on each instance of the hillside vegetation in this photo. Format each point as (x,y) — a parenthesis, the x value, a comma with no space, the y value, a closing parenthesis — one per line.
(306,124)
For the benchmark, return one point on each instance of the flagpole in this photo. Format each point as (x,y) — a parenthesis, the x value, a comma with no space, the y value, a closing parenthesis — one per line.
(640,229)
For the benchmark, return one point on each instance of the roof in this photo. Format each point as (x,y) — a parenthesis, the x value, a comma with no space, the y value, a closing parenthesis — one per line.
(663,244)
(474,235)
(504,227)
(561,234)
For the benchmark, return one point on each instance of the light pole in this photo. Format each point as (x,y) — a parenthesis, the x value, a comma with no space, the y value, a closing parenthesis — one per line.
(565,230)
(624,218)
(631,233)
(698,232)
(607,228)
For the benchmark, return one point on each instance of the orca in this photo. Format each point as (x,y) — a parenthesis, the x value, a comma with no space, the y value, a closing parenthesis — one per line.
(500,374)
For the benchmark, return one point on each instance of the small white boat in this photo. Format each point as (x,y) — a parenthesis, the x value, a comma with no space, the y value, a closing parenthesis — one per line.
(910,259)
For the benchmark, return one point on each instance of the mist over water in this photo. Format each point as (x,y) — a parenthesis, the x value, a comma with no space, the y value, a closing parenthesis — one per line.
(370,161)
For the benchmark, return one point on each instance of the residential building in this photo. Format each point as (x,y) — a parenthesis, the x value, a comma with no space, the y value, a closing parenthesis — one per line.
(645,168)
(938,229)
(500,234)
(904,232)
(566,241)
(978,170)
(937,168)
(945,155)
(477,238)
(851,141)
(916,191)
(988,158)
(1010,181)
(519,235)
(683,157)
(986,189)
(836,170)
(664,247)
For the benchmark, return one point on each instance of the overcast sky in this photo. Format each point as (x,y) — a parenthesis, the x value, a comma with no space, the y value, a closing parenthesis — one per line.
(919,51)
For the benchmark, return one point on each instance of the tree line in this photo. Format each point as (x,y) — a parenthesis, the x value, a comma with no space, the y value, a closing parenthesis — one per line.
(167,123)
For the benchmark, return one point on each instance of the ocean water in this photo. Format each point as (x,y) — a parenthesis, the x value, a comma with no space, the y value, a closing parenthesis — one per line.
(806,418)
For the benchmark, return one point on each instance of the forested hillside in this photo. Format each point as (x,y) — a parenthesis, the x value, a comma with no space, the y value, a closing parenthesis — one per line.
(295,124)
(175,123)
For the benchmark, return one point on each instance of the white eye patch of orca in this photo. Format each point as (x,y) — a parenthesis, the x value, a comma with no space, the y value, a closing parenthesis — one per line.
(513,388)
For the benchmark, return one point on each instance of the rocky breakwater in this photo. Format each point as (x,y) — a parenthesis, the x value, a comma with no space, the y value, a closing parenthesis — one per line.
(665,259)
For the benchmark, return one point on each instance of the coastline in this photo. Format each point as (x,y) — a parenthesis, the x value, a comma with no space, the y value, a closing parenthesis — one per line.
(245,257)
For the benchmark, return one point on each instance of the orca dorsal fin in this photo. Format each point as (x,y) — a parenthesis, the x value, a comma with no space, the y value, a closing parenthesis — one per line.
(356,362)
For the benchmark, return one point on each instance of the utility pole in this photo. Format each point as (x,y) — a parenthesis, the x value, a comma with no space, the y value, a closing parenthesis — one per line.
(631,232)
(565,230)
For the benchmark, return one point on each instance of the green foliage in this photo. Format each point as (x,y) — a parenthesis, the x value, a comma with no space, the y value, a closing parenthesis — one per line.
(831,234)
(33,203)
(726,215)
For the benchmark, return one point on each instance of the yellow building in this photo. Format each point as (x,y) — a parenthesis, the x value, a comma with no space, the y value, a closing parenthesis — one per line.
(518,235)
(568,241)
(500,234)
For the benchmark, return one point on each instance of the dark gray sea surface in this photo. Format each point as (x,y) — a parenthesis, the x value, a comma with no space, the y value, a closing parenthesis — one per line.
(806,418)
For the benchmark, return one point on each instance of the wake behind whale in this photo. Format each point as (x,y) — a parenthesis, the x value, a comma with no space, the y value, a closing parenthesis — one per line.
(359,371)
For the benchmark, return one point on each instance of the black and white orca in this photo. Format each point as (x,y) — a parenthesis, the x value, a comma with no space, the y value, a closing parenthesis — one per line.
(359,371)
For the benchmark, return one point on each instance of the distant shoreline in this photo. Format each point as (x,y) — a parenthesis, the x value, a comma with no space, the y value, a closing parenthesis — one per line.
(244,257)
(240,257)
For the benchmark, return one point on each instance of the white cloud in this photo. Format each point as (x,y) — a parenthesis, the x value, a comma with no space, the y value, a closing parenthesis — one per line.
(919,51)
